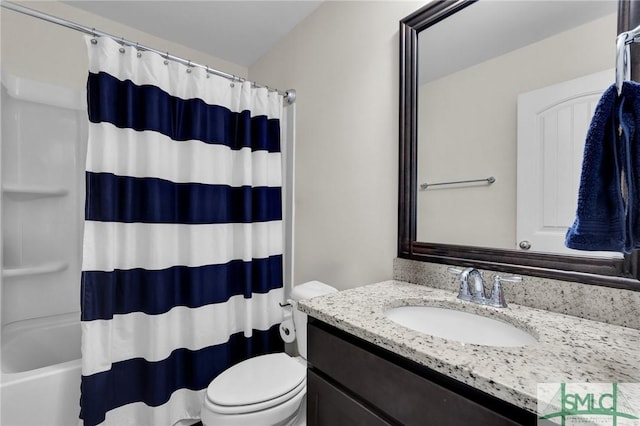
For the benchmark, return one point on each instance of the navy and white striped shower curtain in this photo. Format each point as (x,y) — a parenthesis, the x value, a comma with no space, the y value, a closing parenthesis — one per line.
(182,261)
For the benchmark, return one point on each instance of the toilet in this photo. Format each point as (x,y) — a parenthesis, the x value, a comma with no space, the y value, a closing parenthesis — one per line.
(267,390)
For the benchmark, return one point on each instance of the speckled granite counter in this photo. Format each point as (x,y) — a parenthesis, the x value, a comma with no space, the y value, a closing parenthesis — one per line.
(569,349)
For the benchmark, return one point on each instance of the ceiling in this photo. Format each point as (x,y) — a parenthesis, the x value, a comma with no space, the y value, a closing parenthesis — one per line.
(237,31)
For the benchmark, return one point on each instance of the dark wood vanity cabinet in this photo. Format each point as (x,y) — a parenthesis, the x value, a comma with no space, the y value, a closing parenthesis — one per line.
(353,382)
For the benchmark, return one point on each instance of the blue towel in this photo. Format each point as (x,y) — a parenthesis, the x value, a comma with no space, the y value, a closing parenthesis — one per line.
(607,216)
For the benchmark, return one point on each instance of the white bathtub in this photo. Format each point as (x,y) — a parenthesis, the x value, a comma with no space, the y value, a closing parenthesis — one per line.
(40,379)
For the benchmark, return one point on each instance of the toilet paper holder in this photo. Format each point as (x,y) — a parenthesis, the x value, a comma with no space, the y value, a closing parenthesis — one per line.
(287,326)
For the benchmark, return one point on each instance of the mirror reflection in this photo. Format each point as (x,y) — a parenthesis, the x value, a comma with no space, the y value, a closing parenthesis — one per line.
(509,97)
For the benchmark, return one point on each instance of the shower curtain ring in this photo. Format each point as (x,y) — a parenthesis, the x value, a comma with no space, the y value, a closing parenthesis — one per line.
(94,40)
(166,59)
(189,67)
(207,71)
(121,42)
(139,53)
(233,79)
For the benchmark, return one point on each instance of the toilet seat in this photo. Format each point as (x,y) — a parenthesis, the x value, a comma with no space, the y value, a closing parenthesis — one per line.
(257,384)
(261,406)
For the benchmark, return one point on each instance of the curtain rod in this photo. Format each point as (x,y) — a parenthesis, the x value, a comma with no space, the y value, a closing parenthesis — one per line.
(289,95)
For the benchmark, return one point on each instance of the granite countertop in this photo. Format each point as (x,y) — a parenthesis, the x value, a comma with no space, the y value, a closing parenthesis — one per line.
(569,349)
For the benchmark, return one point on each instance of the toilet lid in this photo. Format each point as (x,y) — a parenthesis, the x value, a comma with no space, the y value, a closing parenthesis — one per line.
(256,380)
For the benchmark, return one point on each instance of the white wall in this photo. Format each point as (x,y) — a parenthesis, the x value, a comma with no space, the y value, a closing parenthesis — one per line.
(343,62)
(484,97)
(43,51)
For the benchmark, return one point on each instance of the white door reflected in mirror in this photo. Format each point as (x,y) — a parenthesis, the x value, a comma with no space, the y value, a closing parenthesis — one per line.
(552,127)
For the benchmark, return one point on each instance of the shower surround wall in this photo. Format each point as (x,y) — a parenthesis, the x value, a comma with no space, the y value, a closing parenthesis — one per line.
(44,131)
(43,150)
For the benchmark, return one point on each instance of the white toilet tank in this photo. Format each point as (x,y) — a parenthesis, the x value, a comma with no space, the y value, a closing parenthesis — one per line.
(305,291)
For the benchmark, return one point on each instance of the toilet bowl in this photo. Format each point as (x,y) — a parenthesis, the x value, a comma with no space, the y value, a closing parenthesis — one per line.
(267,390)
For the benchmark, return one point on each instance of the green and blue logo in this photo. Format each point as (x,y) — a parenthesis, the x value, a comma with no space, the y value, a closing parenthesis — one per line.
(589,403)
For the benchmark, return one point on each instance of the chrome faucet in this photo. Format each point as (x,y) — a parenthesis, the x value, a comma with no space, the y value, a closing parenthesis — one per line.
(477,285)
(476,292)
(466,293)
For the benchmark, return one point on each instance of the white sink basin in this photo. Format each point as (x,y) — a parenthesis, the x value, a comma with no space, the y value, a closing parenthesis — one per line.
(460,326)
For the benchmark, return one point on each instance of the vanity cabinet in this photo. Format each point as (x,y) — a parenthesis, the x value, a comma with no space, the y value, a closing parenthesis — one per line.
(354,382)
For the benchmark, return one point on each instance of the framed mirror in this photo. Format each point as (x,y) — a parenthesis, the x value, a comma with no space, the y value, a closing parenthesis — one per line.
(464,86)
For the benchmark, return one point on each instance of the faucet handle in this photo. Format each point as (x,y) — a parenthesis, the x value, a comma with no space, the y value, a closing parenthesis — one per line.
(497,294)
(455,271)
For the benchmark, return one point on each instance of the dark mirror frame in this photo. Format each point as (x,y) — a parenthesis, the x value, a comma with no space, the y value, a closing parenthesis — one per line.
(618,273)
